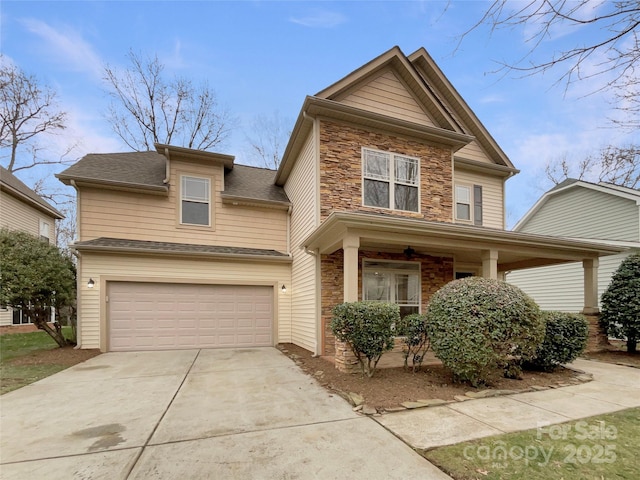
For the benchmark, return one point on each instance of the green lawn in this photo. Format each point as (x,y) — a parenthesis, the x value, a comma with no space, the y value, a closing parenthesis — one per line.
(604,447)
(16,370)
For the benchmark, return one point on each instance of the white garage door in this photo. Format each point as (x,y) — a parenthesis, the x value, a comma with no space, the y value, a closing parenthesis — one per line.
(164,316)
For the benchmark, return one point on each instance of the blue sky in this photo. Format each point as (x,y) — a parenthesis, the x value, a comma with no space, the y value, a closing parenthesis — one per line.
(263,57)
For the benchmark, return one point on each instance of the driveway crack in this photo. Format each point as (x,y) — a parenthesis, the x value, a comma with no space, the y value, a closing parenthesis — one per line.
(146,443)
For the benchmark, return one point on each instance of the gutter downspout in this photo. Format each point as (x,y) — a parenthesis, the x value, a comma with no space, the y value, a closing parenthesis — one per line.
(78,299)
(167,172)
(289,229)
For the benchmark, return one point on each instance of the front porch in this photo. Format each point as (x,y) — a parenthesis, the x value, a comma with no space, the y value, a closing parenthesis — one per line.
(349,243)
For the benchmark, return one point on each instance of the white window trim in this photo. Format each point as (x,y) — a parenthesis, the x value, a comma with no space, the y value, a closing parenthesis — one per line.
(44,223)
(392,180)
(208,202)
(390,269)
(455,203)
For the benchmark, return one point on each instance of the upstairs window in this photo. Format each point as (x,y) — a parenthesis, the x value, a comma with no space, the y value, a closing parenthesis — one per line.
(390,180)
(469,203)
(44,231)
(195,201)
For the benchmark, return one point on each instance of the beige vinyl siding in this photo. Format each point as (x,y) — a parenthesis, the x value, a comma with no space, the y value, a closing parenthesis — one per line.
(135,216)
(6,317)
(17,215)
(137,268)
(561,287)
(492,195)
(473,151)
(301,188)
(586,213)
(387,95)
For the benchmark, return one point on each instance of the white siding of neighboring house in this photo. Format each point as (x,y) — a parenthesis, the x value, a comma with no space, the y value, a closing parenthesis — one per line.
(17,215)
(561,287)
(585,213)
(492,195)
(301,188)
(387,95)
(578,212)
(146,268)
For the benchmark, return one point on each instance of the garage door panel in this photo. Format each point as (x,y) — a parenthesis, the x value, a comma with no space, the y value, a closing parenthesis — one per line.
(152,316)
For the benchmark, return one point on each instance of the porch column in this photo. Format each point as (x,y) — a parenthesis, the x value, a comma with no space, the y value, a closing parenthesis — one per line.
(490,264)
(350,245)
(590,267)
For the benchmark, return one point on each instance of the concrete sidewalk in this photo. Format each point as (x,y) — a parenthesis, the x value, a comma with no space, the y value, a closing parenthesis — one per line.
(613,388)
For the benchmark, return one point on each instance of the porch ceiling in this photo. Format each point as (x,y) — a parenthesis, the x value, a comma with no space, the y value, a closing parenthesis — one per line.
(463,242)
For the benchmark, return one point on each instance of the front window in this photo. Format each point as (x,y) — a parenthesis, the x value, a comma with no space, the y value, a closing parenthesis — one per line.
(392,282)
(195,201)
(390,180)
(469,203)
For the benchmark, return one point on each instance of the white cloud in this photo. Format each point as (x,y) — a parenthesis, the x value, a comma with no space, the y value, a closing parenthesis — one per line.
(67,47)
(320,19)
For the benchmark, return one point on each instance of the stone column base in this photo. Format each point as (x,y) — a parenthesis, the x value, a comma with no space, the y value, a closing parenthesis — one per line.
(345,360)
(598,339)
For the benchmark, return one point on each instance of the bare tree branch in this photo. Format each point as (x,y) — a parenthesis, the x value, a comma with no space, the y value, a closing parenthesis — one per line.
(27,110)
(267,138)
(147,108)
(611,55)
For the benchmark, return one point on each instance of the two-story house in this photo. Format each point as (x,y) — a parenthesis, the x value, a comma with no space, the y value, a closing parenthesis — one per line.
(389,188)
(599,212)
(23,209)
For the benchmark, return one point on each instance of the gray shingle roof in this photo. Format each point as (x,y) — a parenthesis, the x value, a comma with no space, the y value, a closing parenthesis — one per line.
(252,182)
(12,183)
(111,244)
(135,168)
(148,169)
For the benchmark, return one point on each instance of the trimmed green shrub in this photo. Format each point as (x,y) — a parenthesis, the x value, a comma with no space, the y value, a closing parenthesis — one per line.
(620,303)
(414,330)
(565,339)
(368,329)
(479,326)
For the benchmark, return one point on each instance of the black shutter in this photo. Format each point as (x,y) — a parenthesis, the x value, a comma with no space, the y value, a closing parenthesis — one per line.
(477,205)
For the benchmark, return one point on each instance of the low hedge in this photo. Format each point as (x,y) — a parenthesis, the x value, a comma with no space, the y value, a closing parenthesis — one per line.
(565,339)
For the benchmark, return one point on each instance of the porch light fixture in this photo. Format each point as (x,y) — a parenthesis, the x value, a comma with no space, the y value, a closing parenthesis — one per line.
(408,252)
(283,289)
(90,283)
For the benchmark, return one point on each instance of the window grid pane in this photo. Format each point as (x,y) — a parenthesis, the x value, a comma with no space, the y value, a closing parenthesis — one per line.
(376,193)
(406,170)
(376,165)
(195,189)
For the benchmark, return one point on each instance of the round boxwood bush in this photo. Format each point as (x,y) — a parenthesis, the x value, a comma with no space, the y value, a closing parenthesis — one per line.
(565,339)
(620,312)
(367,328)
(413,328)
(479,327)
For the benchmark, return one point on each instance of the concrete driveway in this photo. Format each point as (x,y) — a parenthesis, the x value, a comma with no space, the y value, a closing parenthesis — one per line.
(241,413)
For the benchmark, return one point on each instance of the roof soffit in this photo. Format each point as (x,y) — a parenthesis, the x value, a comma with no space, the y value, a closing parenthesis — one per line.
(435,79)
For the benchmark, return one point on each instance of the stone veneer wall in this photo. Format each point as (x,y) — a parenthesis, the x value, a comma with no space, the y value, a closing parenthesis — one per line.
(598,339)
(341,171)
(435,273)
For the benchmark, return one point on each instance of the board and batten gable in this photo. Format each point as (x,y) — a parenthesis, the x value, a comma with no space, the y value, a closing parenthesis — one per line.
(93,328)
(137,216)
(492,194)
(586,213)
(302,189)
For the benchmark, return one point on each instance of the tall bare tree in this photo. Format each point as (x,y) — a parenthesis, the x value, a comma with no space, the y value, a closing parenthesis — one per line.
(612,164)
(28,109)
(267,138)
(610,55)
(148,108)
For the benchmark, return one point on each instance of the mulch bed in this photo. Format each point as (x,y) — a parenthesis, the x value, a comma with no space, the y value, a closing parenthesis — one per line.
(66,356)
(389,387)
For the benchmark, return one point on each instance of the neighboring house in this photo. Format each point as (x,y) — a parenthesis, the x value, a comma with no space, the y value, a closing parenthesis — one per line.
(389,188)
(23,209)
(581,210)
